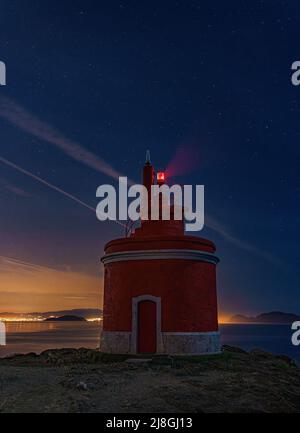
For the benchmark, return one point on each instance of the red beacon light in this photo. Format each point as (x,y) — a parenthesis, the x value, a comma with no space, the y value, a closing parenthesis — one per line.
(161,177)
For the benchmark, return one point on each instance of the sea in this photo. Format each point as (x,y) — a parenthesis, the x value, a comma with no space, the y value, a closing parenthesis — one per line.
(26,337)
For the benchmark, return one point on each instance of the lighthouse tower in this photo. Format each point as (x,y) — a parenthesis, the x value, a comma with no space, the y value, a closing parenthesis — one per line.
(160,289)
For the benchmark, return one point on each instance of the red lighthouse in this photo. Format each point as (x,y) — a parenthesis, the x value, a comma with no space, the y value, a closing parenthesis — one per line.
(160,289)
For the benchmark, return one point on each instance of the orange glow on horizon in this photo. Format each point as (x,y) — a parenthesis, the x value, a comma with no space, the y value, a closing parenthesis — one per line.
(224,318)
(38,288)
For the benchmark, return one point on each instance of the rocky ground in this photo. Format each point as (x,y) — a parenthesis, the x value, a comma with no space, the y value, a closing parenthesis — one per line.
(88,381)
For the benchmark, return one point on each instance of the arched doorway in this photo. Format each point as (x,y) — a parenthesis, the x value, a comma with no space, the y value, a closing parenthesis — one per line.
(147,327)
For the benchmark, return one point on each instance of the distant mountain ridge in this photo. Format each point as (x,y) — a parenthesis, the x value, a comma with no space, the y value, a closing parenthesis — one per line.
(65,319)
(272,317)
(86,313)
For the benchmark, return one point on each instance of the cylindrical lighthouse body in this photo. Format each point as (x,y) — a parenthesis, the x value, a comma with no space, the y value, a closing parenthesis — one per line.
(160,292)
(179,277)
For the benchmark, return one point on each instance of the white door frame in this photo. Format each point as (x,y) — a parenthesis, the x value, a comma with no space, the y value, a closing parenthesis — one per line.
(135,312)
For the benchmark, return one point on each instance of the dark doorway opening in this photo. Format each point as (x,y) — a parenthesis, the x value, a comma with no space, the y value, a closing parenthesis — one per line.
(147,327)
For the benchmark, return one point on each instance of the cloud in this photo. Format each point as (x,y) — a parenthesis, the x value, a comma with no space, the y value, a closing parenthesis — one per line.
(44,182)
(42,288)
(28,122)
(18,191)
(50,185)
(219,228)
(15,189)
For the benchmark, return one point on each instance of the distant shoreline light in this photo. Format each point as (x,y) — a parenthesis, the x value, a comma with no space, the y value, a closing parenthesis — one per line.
(21,319)
(38,319)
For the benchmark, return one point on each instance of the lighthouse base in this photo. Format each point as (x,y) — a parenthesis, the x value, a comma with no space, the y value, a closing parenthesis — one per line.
(191,343)
(170,343)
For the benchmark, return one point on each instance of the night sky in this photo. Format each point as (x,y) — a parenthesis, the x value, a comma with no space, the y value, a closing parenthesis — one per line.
(92,85)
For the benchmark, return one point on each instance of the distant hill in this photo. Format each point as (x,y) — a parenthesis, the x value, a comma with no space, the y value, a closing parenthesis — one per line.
(272,317)
(86,313)
(65,319)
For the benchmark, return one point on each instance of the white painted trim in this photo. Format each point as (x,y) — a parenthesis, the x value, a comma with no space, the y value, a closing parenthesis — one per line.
(134,335)
(163,254)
